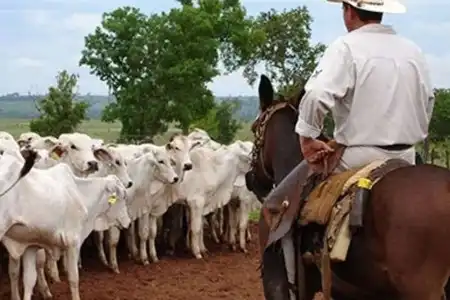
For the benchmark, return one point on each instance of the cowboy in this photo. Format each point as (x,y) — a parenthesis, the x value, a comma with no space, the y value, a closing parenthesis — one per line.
(375,83)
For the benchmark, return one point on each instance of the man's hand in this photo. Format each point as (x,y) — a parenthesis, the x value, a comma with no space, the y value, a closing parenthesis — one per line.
(314,150)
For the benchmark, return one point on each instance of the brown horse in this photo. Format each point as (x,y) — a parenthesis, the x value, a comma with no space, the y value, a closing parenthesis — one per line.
(403,250)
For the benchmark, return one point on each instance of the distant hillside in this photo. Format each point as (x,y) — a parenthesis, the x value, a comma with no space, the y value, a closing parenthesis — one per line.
(23,106)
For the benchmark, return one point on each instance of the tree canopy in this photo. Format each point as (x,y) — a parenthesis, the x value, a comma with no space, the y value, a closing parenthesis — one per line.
(286,51)
(158,66)
(220,123)
(440,121)
(59,112)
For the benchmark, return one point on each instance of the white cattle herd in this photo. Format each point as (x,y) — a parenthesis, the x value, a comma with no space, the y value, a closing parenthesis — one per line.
(80,185)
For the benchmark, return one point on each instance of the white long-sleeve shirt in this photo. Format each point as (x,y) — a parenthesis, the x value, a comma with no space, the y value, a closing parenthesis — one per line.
(377,86)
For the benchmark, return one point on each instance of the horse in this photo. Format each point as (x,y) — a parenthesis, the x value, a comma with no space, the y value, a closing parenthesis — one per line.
(401,252)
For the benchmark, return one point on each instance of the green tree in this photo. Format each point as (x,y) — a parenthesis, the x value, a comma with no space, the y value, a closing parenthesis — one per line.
(158,66)
(439,130)
(440,121)
(220,122)
(286,49)
(59,111)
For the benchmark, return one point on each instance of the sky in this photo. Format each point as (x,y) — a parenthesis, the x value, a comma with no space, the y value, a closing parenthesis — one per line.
(41,37)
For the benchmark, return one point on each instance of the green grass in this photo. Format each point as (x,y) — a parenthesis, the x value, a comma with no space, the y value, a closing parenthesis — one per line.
(109,132)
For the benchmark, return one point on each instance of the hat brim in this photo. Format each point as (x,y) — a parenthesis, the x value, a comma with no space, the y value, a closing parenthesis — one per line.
(392,7)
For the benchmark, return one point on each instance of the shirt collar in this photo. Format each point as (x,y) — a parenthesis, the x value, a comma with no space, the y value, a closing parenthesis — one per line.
(376,28)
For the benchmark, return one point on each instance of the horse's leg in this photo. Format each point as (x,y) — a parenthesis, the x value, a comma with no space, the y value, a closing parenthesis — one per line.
(274,275)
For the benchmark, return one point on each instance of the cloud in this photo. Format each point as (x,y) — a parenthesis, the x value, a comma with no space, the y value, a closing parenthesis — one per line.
(38,17)
(82,22)
(27,62)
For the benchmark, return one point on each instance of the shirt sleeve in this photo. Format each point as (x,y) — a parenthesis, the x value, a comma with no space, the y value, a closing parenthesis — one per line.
(331,80)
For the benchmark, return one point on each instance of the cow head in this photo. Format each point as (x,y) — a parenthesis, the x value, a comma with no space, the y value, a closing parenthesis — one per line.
(178,148)
(75,149)
(163,166)
(112,162)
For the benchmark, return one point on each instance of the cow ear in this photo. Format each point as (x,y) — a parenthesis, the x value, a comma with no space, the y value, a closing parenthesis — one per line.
(22,143)
(103,155)
(57,151)
(50,142)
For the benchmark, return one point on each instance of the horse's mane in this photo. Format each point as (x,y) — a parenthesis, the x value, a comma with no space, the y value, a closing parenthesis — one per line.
(294,99)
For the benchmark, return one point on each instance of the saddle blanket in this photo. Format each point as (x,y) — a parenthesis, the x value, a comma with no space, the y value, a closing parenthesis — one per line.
(330,203)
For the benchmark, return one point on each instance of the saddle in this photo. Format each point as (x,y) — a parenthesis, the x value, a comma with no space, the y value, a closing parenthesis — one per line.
(281,207)
(320,197)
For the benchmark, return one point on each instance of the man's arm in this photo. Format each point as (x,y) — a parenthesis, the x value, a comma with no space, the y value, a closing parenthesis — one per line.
(333,77)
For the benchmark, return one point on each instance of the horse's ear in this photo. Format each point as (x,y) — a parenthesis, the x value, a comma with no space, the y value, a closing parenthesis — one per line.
(266,93)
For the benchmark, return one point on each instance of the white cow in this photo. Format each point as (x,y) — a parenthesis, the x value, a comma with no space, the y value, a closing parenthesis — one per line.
(46,142)
(203,137)
(43,160)
(7,136)
(111,162)
(209,185)
(242,200)
(75,149)
(55,210)
(27,138)
(148,170)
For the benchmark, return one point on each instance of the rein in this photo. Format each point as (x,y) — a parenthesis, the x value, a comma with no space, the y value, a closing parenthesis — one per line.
(259,129)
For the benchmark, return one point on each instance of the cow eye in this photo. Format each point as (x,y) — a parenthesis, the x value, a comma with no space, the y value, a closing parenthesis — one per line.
(73,147)
(117,162)
(161,162)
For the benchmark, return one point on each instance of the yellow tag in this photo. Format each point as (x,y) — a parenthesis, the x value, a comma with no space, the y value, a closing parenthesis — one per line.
(112,199)
(365,183)
(54,156)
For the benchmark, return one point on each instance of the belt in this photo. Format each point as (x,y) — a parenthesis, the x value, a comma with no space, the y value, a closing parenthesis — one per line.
(395,147)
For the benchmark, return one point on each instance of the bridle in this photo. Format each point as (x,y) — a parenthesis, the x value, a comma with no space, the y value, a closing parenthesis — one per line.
(259,127)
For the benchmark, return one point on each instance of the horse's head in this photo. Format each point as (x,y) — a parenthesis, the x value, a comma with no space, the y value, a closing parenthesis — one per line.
(276,148)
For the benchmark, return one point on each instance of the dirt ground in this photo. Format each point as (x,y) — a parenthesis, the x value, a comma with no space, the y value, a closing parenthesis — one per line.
(222,275)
